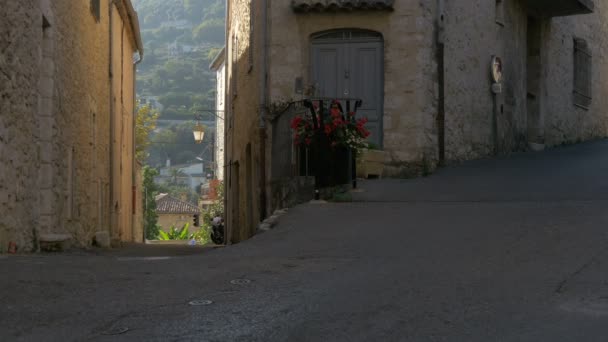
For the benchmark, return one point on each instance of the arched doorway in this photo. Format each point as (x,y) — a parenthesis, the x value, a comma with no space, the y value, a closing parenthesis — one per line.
(350,64)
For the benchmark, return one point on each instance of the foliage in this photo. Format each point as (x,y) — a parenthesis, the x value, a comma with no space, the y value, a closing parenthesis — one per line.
(345,130)
(341,129)
(174,234)
(217,208)
(150,192)
(210,31)
(201,236)
(303,128)
(145,123)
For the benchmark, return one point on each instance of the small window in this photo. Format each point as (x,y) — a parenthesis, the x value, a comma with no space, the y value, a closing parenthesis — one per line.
(582,74)
(500,12)
(96,9)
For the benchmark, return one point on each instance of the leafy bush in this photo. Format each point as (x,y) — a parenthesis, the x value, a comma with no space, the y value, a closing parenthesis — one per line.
(174,234)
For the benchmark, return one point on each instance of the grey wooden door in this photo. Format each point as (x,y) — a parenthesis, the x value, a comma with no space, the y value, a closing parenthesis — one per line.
(349,64)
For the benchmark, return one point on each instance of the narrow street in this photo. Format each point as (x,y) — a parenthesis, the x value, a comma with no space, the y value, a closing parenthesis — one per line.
(507,249)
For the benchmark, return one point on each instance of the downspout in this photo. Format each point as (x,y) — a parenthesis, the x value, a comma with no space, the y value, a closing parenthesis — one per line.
(440,31)
(134,161)
(227,108)
(112,137)
(263,110)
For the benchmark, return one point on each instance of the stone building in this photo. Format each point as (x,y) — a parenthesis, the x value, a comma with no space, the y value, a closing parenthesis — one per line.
(441,81)
(173,212)
(218,65)
(67,78)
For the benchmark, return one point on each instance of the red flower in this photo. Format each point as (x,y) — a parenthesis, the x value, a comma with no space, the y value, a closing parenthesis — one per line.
(308,141)
(351,114)
(328,129)
(335,112)
(295,122)
(362,121)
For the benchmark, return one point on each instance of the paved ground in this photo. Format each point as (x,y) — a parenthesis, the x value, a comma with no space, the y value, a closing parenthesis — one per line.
(513,249)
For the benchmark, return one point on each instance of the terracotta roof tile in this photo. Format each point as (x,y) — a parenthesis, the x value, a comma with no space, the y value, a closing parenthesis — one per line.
(170,205)
(340,5)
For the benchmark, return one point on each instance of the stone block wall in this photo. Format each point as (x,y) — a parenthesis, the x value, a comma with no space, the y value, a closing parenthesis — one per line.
(410,93)
(565,123)
(20,56)
(473,36)
(55,167)
(243,73)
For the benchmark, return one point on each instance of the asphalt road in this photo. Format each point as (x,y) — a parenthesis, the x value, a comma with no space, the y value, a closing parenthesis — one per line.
(510,249)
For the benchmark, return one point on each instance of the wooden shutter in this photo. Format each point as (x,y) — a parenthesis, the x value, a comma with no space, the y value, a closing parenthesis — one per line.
(582,74)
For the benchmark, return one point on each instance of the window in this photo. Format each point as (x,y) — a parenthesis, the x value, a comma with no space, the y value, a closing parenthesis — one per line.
(582,74)
(96,9)
(500,12)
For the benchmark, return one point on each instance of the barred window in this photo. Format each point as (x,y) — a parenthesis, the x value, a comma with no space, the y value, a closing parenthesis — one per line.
(582,73)
(96,9)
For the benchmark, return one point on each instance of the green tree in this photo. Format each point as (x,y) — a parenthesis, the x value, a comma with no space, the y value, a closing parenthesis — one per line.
(149,198)
(145,123)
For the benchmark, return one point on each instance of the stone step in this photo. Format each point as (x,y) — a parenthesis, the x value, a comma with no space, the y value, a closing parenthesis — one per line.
(55,242)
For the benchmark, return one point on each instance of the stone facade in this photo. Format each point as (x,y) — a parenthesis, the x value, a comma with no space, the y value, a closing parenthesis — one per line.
(242,120)
(439,102)
(473,33)
(219,66)
(66,149)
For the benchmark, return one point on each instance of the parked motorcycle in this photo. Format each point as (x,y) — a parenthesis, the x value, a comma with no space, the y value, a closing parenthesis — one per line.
(217,230)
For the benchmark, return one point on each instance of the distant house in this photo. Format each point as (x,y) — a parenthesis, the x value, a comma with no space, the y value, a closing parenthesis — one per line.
(190,175)
(151,101)
(219,66)
(174,212)
(175,49)
(181,24)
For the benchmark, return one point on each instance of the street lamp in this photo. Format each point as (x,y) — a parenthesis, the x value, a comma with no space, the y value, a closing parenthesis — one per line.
(199,133)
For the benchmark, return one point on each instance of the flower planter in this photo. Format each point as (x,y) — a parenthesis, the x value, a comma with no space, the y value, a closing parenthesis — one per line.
(370,163)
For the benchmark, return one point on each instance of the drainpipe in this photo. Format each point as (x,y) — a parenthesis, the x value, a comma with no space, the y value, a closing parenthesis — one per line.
(227,108)
(440,31)
(134,161)
(112,137)
(263,102)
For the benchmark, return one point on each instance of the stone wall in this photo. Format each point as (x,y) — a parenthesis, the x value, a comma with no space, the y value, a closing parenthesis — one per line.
(242,122)
(564,122)
(473,36)
(220,124)
(20,56)
(409,89)
(165,221)
(55,122)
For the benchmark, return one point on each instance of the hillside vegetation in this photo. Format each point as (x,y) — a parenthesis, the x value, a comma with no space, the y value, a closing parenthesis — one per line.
(181,38)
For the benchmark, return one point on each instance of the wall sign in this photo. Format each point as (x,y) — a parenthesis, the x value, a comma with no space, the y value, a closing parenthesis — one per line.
(496,69)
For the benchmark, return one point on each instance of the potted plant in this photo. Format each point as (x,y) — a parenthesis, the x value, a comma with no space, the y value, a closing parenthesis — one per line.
(340,135)
(370,162)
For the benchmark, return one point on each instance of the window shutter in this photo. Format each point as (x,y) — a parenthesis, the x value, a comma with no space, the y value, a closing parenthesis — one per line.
(96,9)
(582,74)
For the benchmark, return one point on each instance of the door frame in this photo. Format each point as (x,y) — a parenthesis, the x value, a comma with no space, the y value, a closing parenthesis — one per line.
(353,35)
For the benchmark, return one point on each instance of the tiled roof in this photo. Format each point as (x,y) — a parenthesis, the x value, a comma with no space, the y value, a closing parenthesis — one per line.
(170,205)
(340,5)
